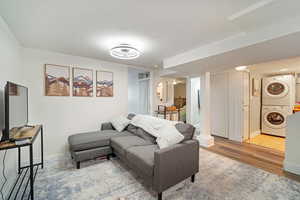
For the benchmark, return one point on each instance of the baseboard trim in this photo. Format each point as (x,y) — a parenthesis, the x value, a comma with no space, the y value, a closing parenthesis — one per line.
(291,167)
(57,156)
(205,140)
(254,134)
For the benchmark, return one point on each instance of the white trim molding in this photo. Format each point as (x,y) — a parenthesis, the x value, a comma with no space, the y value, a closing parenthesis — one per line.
(291,167)
(205,139)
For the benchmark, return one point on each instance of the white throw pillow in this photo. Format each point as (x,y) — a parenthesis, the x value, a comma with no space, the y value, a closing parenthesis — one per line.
(120,123)
(168,136)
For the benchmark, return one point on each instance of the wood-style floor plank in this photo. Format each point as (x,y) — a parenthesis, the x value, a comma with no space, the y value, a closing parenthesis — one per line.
(270,160)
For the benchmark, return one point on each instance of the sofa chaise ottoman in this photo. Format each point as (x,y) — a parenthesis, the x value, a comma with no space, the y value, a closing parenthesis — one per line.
(87,146)
(159,168)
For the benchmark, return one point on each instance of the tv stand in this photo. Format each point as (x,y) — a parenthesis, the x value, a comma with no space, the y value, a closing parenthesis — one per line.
(26,174)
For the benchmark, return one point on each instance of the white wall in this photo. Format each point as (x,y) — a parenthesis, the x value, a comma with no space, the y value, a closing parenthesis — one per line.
(10,70)
(64,116)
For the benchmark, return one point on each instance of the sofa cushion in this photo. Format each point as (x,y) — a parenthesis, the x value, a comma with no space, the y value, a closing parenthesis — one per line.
(142,157)
(132,129)
(141,133)
(187,130)
(146,136)
(120,144)
(90,140)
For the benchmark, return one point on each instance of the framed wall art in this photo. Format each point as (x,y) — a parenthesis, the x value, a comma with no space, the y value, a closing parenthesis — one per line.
(105,84)
(57,80)
(82,82)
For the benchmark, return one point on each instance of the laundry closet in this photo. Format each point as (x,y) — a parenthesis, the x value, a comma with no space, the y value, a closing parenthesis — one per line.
(252,105)
(270,107)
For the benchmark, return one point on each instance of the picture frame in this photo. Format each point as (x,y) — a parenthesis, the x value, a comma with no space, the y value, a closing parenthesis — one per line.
(82,82)
(56,80)
(104,84)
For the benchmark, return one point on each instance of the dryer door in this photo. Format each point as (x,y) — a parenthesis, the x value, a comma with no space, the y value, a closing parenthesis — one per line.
(276,89)
(275,119)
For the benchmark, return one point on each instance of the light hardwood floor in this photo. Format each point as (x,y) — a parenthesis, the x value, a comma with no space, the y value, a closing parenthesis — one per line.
(269,141)
(267,159)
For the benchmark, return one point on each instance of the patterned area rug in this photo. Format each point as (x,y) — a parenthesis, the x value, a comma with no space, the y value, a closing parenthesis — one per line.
(220,178)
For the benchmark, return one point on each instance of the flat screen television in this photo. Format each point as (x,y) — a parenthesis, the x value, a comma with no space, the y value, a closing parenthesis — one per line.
(16,108)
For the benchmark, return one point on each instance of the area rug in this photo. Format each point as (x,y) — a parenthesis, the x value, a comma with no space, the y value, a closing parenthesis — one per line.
(220,178)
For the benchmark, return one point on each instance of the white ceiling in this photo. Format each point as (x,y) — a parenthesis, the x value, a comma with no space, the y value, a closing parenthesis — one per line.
(272,50)
(284,66)
(160,29)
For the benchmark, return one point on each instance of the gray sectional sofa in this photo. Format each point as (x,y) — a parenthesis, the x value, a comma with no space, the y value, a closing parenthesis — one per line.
(160,168)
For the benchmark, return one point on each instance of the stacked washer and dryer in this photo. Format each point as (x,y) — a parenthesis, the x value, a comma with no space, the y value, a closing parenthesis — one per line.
(278,99)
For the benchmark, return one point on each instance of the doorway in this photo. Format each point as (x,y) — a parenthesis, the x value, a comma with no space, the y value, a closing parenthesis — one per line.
(171,99)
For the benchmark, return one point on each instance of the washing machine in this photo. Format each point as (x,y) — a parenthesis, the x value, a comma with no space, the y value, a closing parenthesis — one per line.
(279,90)
(274,119)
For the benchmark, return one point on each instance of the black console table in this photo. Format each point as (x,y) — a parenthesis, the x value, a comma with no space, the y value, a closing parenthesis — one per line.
(23,180)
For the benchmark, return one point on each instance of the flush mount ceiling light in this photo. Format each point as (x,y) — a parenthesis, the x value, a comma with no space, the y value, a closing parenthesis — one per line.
(241,68)
(124,52)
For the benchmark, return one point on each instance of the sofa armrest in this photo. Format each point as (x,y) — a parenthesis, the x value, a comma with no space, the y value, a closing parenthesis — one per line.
(174,164)
(107,126)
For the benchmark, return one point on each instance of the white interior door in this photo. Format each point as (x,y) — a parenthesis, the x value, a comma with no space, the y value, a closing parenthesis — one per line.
(246,106)
(238,106)
(219,104)
(246,88)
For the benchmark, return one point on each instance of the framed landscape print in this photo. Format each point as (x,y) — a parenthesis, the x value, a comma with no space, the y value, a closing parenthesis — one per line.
(82,82)
(57,80)
(105,84)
